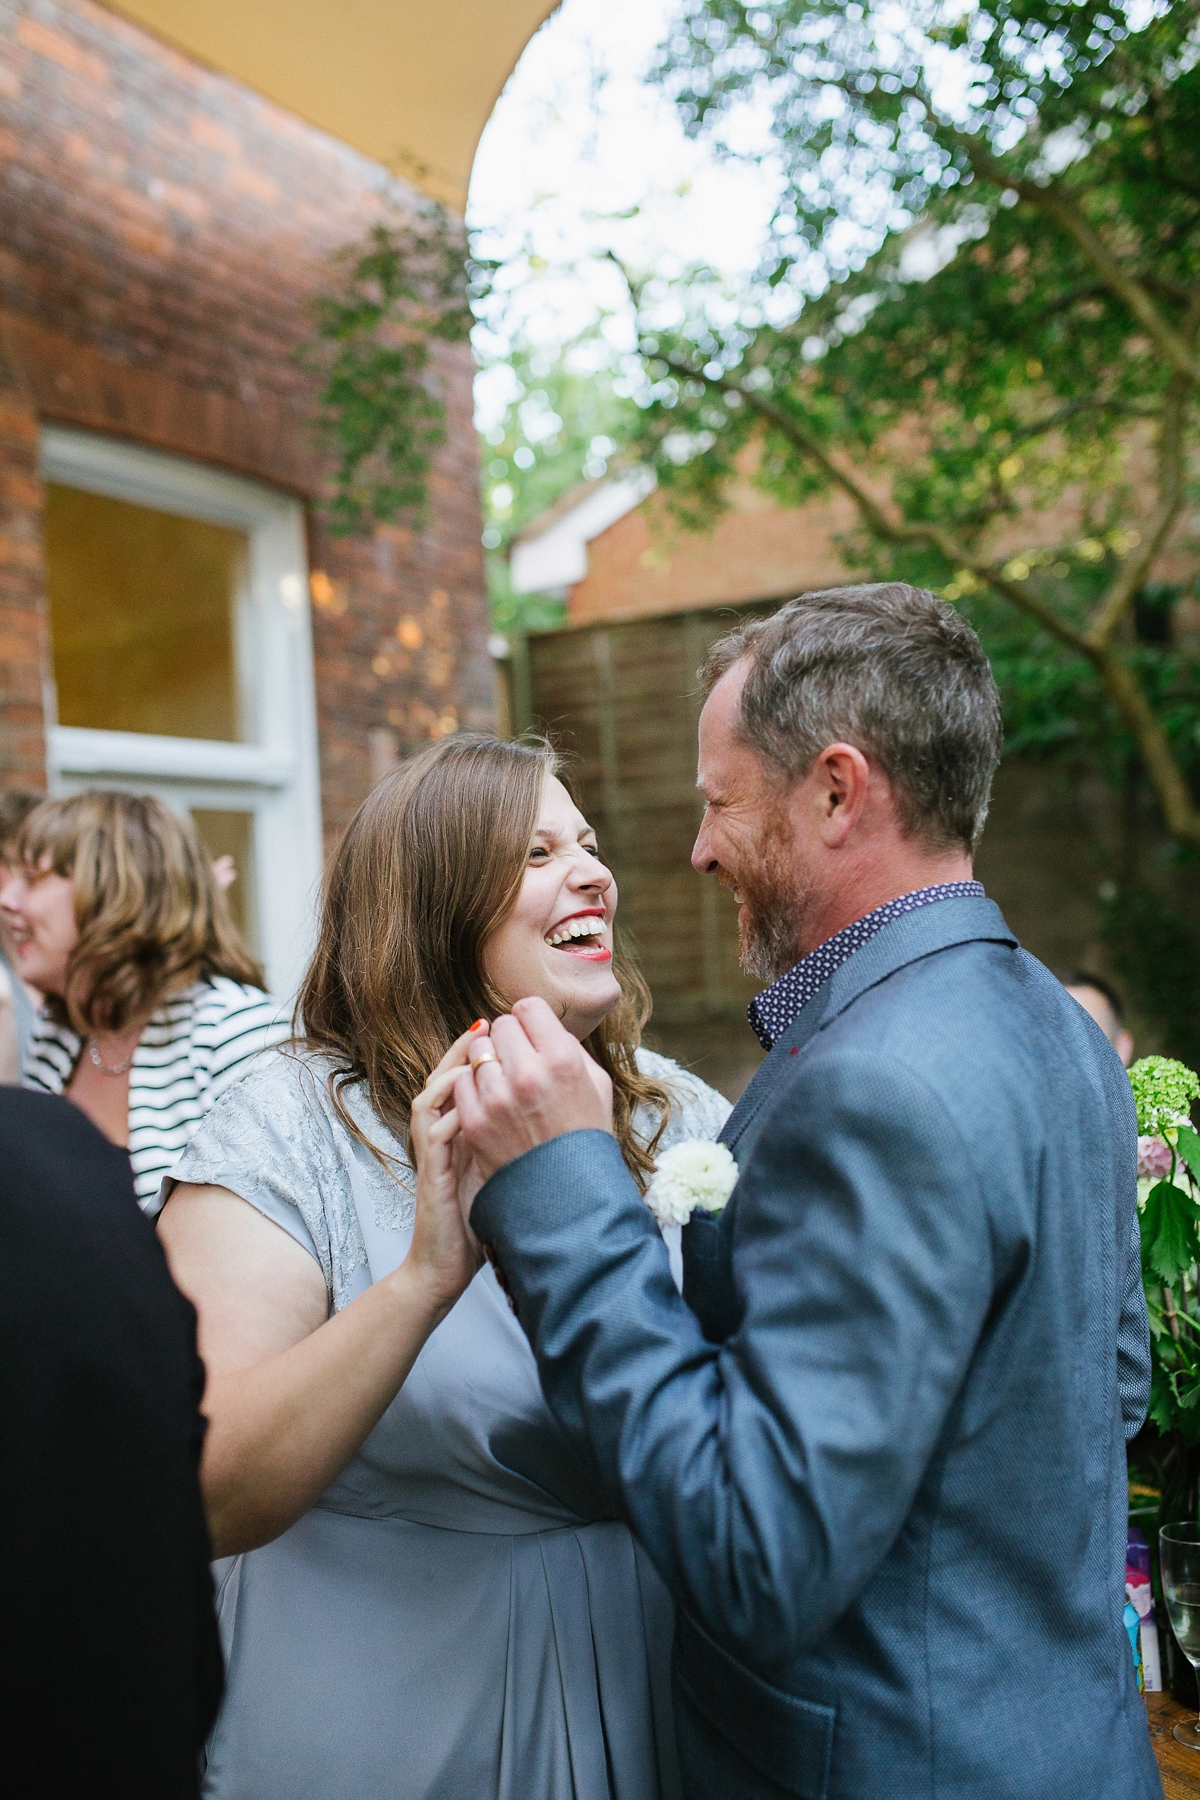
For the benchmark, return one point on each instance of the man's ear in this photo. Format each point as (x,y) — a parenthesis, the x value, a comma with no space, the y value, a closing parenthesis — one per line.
(841,777)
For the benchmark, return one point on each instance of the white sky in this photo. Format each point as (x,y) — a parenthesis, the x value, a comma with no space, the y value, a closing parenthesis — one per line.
(582,155)
(577,139)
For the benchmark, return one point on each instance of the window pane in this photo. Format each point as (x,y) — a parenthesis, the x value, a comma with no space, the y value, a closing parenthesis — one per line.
(143,617)
(232,834)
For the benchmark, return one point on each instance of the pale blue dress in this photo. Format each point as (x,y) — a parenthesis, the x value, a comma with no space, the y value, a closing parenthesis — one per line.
(462,1615)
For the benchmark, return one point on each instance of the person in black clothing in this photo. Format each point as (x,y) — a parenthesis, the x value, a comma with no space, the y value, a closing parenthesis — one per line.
(113,1667)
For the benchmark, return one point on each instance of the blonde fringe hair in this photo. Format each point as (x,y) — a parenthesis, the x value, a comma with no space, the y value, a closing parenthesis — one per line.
(150,915)
(429,868)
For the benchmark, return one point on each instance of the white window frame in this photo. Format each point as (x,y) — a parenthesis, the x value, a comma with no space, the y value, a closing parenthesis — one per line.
(275,776)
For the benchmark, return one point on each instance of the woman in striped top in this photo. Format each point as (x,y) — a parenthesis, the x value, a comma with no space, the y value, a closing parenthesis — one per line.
(153,1004)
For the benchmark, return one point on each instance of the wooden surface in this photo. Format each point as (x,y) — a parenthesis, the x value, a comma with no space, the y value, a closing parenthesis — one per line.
(1178,1765)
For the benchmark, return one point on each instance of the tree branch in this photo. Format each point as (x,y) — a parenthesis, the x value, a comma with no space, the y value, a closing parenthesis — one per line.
(1056,205)
(895,531)
(1174,796)
(1135,569)
(1115,408)
(1168,290)
(1119,683)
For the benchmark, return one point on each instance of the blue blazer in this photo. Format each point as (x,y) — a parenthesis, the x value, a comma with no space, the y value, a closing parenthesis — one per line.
(878,1455)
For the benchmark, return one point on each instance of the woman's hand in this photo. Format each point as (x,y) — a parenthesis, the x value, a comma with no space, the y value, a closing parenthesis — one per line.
(444,1249)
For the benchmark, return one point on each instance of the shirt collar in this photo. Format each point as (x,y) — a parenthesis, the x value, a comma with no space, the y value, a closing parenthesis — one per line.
(773,1011)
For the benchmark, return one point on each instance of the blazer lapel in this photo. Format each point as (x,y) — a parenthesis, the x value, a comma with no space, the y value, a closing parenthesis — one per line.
(906,939)
(707,1238)
(708,1285)
(766,1077)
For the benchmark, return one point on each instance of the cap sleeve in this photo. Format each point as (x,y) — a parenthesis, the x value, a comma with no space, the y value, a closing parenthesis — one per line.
(697,1110)
(268,1140)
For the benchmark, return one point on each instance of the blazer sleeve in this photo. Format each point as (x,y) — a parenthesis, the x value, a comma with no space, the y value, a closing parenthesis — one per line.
(767,1476)
(1133,1341)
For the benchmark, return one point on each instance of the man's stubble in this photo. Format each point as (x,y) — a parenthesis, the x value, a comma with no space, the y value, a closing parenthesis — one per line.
(777,900)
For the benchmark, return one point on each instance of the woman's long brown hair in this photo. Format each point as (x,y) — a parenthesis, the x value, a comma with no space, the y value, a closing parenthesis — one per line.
(150,915)
(430,867)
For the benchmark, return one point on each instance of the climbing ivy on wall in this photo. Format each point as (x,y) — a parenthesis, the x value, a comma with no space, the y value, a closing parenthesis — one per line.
(391,301)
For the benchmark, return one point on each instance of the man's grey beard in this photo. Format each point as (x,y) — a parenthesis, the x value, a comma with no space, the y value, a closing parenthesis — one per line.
(769,929)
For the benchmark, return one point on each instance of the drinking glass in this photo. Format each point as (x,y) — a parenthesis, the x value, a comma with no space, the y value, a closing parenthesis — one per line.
(1179,1558)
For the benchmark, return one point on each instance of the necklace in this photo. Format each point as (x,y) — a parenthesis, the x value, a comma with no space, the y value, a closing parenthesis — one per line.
(121,1068)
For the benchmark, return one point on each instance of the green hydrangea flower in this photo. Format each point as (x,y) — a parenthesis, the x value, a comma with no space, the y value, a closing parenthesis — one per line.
(1164,1090)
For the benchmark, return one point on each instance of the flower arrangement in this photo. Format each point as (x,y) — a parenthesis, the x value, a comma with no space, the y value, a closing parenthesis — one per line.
(1169,1204)
(696,1173)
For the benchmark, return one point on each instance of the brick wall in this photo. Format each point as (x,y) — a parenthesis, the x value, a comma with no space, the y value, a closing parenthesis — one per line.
(647,564)
(163,232)
(24,650)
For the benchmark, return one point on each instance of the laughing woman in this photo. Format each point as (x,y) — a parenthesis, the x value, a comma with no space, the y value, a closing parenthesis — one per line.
(427,1596)
(153,1005)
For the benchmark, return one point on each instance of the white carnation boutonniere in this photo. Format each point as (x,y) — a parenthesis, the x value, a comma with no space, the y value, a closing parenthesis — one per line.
(696,1173)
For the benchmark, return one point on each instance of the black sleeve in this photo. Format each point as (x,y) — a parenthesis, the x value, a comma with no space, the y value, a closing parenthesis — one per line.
(113,1666)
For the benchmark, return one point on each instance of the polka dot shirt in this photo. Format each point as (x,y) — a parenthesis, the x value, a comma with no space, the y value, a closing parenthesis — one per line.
(777,1007)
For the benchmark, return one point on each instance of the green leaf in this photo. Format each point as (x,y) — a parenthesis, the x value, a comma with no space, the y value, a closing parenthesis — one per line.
(1159,1415)
(1169,1242)
(1189,1149)
(1164,1408)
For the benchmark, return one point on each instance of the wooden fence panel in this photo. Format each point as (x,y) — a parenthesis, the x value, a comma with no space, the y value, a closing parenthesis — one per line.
(622,700)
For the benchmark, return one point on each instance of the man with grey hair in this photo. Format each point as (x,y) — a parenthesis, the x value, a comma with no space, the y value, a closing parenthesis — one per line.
(877,1450)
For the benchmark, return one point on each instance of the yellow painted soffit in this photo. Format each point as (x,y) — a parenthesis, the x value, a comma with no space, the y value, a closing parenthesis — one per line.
(408,82)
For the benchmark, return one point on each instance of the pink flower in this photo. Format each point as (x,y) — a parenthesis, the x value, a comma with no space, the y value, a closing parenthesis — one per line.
(1154,1159)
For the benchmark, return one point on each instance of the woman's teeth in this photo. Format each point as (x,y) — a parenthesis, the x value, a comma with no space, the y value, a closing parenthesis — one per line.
(574,929)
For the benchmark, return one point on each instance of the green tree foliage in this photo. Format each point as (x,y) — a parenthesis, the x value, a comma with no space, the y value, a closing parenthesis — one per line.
(1016,428)
(563,422)
(408,287)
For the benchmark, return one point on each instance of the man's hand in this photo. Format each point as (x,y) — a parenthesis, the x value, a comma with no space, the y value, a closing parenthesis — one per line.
(540,1083)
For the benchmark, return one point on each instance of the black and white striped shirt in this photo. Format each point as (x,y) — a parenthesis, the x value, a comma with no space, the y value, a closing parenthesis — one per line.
(196,1046)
